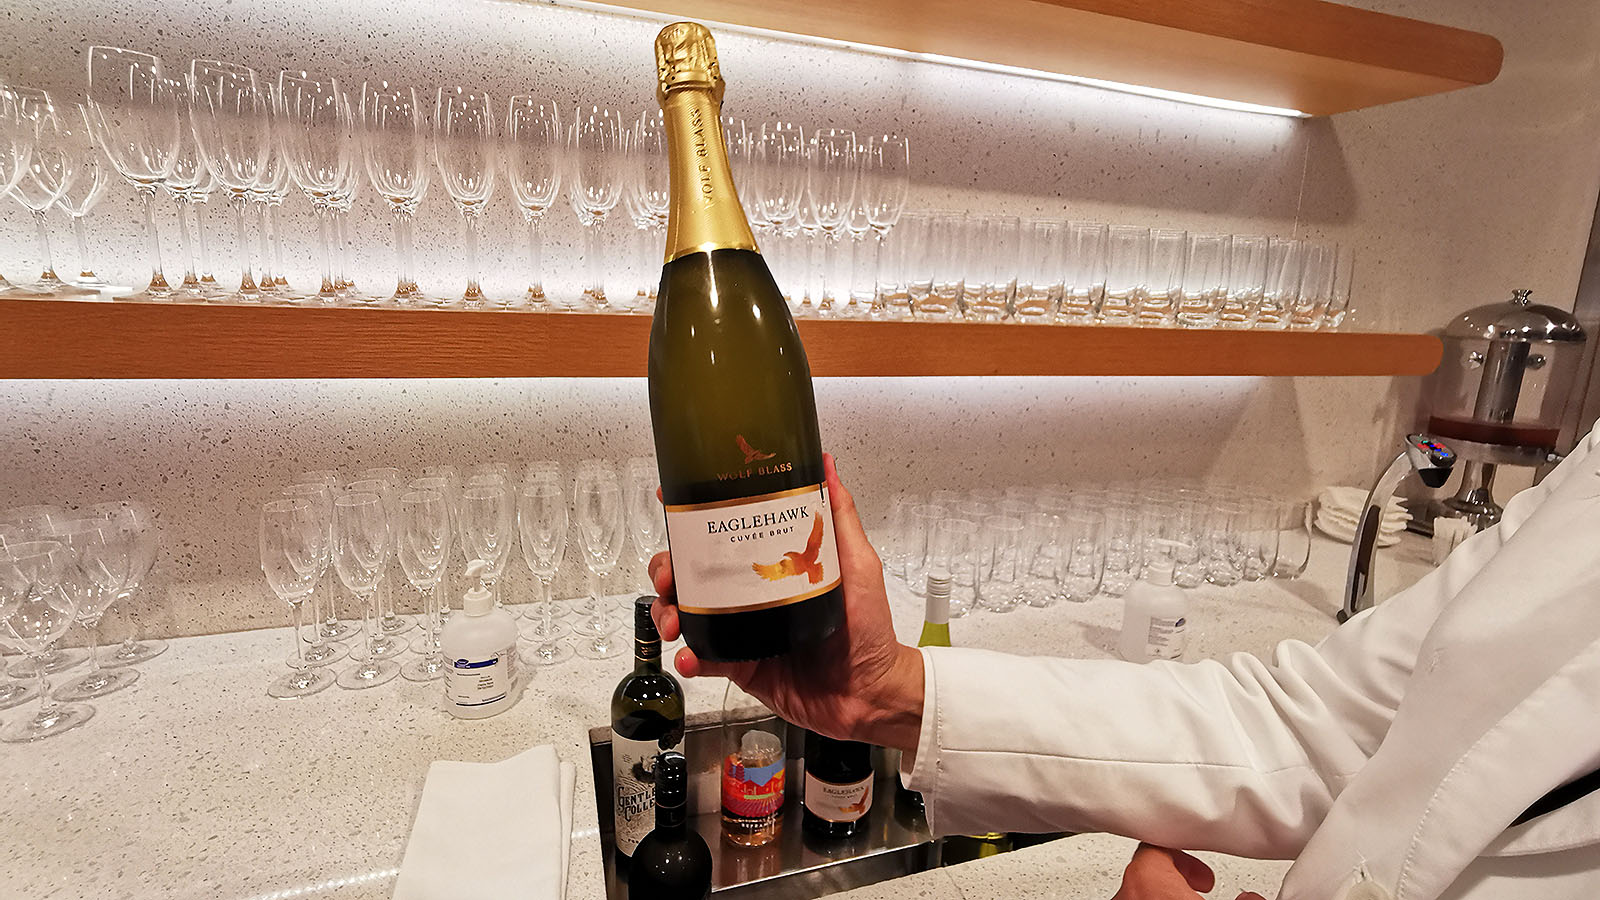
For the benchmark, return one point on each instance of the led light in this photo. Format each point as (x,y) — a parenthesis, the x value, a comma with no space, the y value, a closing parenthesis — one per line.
(959,62)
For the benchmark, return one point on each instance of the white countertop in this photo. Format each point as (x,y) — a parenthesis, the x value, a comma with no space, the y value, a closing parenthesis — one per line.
(195,784)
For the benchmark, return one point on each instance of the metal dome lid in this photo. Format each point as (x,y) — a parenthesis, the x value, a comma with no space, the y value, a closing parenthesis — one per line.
(1517,320)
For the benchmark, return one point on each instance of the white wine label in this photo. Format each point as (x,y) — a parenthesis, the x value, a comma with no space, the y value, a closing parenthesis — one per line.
(633,789)
(753,552)
(476,682)
(1166,637)
(838,802)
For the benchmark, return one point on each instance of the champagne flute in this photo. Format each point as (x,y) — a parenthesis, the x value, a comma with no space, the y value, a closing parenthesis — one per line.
(361,547)
(487,529)
(293,540)
(887,185)
(646,519)
(464,151)
(133,111)
(386,484)
(598,499)
(535,151)
(542,521)
(832,171)
(229,115)
(322,651)
(395,148)
(36,609)
(270,186)
(423,543)
(315,117)
(597,139)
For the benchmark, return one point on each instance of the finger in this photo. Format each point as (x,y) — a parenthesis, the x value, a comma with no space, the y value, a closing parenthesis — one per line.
(1251,895)
(852,538)
(661,574)
(665,614)
(691,666)
(1196,873)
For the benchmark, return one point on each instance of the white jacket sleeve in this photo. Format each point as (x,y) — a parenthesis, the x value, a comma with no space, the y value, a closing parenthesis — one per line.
(1239,755)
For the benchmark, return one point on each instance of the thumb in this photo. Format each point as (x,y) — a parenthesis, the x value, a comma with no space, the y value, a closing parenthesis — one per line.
(1250,895)
(1198,875)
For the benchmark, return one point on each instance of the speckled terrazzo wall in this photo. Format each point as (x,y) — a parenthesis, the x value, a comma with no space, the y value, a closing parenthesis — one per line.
(1450,201)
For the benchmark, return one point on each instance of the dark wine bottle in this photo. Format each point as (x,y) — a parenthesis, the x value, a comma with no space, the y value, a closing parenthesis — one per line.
(740,455)
(672,862)
(646,719)
(838,790)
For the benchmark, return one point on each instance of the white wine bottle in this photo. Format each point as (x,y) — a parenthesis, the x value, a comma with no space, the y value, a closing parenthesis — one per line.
(740,455)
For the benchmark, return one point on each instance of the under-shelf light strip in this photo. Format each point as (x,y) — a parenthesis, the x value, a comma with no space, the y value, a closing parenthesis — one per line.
(979,65)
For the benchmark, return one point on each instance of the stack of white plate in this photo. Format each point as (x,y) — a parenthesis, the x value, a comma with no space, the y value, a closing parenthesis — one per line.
(1339,510)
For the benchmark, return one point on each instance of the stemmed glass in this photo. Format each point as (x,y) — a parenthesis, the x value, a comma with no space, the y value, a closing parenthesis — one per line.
(60,139)
(422,537)
(104,562)
(188,173)
(886,186)
(396,149)
(294,540)
(36,609)
(598,499)
(646,520)
(386,484)
(351,144)
(832,171)
(487,529)
(271,186)
(542,521)
(232,129)
(16,149)
(137,525)
(133,112)
(314,119)
(777,157)
(361,547)
(646,198)
(534,152)
(597,139)
(322,651)
(464,151)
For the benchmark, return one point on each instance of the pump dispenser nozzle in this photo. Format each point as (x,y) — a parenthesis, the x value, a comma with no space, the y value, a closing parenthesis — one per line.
(479,599)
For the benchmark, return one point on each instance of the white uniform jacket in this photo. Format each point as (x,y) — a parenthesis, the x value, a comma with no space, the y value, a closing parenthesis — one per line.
(1406,742)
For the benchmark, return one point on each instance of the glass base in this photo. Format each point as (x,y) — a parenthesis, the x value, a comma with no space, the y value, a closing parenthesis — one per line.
(54,661)
(340,631)
(386,647)
(558,610)
(625,602)
(324,653)
(425,645)
(125,654)
(63,717)
(607,647)
(592,627)
(16,693)
(428,668)
(549,654)
(97,684)
(395,625)
(536,632)
(300,684)
(367,675)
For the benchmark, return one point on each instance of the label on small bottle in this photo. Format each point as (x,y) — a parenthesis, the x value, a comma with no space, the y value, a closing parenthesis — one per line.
(838,802)
(479,682)
(1166,637)
(633,789)
(753,552)
(753,792)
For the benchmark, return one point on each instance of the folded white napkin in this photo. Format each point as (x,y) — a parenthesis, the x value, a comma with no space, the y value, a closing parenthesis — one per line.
(491,830)
(1351,500)
(1343,531)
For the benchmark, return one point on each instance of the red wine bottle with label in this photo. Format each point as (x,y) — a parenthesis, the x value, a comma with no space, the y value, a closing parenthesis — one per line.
(740,455)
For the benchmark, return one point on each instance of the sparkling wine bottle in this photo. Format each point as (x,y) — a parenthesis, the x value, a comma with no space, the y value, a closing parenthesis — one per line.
(737,443)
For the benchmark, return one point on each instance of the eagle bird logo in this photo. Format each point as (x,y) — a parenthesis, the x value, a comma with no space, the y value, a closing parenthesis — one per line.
(803,563)
(751,454)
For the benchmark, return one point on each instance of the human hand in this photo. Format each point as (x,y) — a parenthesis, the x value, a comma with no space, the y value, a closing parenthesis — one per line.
(860,683)
(1156,873)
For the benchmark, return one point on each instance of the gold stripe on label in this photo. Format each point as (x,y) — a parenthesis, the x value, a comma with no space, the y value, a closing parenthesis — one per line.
(707,611)
(741,501)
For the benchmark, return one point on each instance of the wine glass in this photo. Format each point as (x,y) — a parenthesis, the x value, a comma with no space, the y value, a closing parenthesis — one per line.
(542,522)
(137,525)
(183,183)
(16,150)
(60,139)
(38,582)
(597,140)
(647,198)
(886,184)
(229,116)
(314,118)
(352,148)
(422,538)
(361,547)
(535,148)
(464,151)
(832,171)
(293,541)
(598,499)
(271,186)
(104,561)
(386,484)
(322,651)
(133,112)
(81,196)
(395,146)
(646,519)
(487,529)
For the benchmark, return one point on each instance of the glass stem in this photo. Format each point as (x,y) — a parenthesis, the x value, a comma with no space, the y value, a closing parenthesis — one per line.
(152,240)
(296,617)
(80,235)
(247,282)
(331,620)
(591,259)
(206,277)
(264,244)
(190,279)
(325,261)
(48,275)
(341,221)
(370,616)
(275,211)
(47,705)
(474,224)
(535,258)
(430,599)
(94,650)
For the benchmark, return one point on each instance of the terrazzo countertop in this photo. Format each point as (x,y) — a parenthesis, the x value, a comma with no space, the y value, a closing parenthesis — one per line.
(195,784)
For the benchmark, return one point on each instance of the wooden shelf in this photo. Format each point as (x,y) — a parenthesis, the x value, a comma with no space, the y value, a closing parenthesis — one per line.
(63,339)
(1317,57)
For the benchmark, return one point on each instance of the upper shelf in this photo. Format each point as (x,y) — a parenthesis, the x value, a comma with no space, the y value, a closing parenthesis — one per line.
(1316,57)
(64,339)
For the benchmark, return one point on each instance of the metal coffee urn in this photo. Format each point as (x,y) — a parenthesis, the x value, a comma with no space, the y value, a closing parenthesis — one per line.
(1498,396)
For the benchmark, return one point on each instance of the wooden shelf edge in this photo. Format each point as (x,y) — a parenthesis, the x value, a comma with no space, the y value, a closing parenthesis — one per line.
(73,340)
(1314,56)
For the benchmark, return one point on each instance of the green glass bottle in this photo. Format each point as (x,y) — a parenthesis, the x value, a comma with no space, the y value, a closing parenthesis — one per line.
(646,720)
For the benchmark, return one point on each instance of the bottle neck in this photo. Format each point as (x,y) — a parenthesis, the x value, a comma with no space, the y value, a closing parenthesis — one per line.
(672,819)
(647,656)
(937,610)
(704,213)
